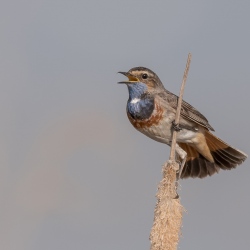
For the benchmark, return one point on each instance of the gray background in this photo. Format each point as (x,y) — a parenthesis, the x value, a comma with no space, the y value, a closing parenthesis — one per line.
(74,173)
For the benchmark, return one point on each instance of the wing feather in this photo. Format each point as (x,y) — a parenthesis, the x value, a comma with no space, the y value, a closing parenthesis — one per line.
(187,110)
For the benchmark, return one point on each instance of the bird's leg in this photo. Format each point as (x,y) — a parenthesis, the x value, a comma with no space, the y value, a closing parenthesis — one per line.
(176,126)
(183,156)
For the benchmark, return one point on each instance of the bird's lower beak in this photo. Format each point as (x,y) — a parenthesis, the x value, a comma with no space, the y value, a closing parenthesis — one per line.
(131,78)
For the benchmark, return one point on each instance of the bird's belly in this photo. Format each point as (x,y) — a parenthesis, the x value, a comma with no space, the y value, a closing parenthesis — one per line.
(162,131)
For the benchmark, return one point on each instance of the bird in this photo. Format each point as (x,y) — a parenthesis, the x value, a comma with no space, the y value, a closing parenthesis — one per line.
(151,110)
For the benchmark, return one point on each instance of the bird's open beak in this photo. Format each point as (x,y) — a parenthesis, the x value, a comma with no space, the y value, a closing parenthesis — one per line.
(131,78)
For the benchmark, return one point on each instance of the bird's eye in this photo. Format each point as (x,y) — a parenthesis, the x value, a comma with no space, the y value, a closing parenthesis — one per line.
(144,76)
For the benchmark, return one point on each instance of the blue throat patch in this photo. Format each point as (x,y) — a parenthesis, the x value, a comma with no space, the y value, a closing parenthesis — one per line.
(143,107)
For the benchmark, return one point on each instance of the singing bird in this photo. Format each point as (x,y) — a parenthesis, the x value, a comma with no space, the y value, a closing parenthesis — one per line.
(151,110)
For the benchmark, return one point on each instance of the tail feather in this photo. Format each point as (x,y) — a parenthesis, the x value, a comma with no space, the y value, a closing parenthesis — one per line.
(229,156)
(196,164)
(225,157)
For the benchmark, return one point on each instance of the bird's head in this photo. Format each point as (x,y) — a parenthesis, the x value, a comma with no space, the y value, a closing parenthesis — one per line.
(143,77)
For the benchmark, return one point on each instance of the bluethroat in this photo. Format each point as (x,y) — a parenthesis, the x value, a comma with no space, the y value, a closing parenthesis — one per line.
(151,110)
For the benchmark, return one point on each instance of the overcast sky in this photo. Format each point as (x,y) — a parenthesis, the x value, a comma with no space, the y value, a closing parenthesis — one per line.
(74,173)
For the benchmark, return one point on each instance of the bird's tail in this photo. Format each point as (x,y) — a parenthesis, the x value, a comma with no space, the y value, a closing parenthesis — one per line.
(225,157)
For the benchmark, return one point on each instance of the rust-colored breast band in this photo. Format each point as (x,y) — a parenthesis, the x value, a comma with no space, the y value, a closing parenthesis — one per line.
(154,119)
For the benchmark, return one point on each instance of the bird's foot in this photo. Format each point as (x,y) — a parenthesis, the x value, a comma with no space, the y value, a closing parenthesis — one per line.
(181,166)
(176,126)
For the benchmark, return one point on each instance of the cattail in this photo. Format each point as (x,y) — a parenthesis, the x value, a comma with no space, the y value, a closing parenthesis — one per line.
(165,232)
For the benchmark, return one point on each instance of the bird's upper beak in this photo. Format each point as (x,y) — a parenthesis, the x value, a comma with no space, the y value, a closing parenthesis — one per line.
(131,78)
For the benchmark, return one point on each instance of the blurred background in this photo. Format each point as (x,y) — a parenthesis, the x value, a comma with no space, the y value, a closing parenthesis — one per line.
(74,173)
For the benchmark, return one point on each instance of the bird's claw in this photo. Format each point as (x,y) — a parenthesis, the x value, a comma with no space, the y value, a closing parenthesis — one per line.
(176,126)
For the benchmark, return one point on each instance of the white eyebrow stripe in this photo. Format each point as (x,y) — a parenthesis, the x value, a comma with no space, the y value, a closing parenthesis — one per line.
(135,100)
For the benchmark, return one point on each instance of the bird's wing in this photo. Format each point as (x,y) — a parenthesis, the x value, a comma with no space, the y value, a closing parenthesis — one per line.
(187,111)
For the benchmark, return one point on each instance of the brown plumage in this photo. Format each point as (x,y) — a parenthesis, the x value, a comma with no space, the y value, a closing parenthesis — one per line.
(187,110)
